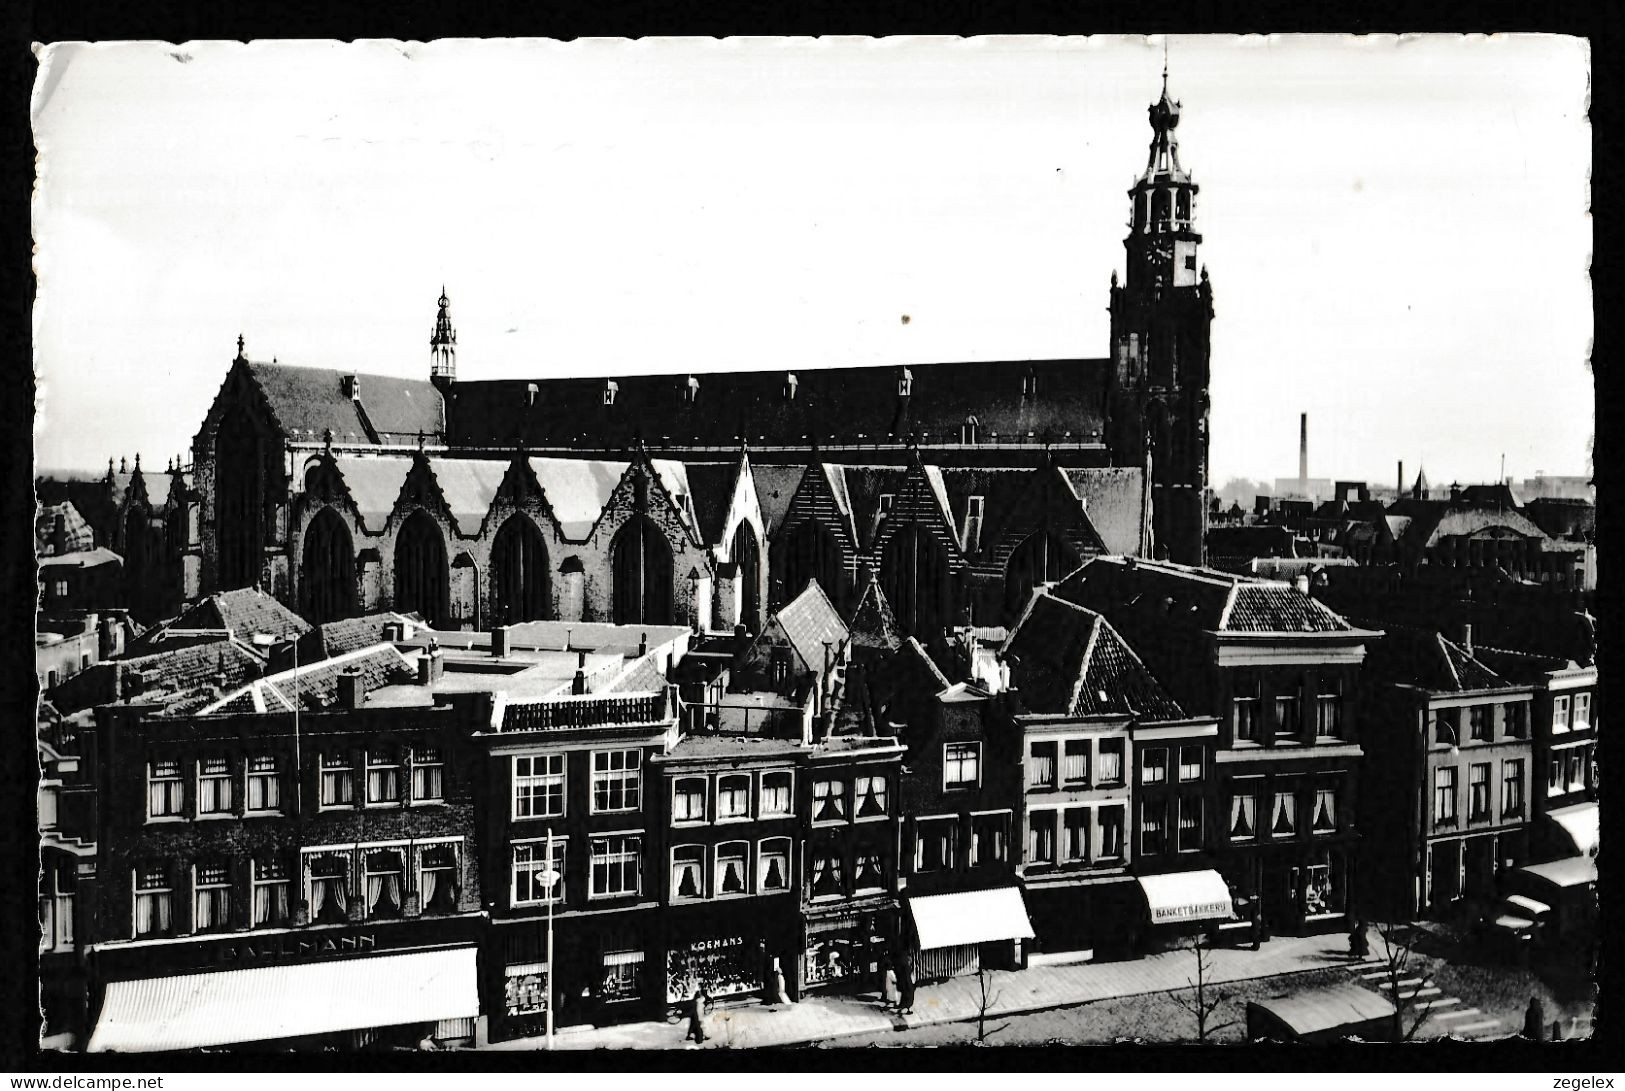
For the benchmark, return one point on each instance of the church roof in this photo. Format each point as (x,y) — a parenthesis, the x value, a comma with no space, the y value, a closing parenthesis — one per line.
(873,624)
(842,405)
(310,401)
(712,487)
(1114,501)
(775,488)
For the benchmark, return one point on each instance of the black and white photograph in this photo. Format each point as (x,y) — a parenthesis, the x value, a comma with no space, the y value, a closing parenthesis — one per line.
(768,544)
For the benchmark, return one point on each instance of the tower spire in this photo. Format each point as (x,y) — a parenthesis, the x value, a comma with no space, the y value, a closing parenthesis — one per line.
(443,345)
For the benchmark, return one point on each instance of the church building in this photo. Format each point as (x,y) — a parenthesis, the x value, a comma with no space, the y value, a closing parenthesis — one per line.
(710,499)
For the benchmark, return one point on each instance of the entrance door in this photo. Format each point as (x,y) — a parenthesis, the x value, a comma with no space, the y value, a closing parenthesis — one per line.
(1444,874)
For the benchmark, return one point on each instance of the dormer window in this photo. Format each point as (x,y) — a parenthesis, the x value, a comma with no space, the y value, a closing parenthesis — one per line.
(974,507)
(1029,385)
(905,383)
(968,430)
(611,388)
(886,499)
(691,390)
(790,384)
(530,394)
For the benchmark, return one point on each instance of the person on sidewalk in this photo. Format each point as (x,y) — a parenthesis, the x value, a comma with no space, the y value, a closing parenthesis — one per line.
(905,989)
(1534,1020)
(776,993)
(888,986)
(696,1015)
(1359,945)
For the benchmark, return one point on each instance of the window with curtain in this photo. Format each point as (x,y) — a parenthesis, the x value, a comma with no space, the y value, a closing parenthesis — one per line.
(1110,821)
(154,908)
(1284,813)
(688,800)
(329,878)
(1243,816)
(961,765)
(383,775)
(987,839)
(733,868)
(826,879)
(1075,834)
(264,784)
(338,780)
(776,799)
(1560,715)
(617,865)
(1478,792)
(525,988)
(1517,720)
(530,863)
(1325,808)
(733,796)
(1582,711)
(1109,764)
(1154,765)
(1478,723)
(1554,774)
(437,878)
(57,905)
(213,786)
(1153,827)
(1329,708)
(1041,762)
(385,877)
(1041,837)
(211,901)
(829,801)
(1075,762)
(871,793)
(1244,708)
(273,889)
(166,791)
(1287,725)
(1444,796)
(428,774)
(1190,823)
(1512,788)
(538,786)
(935,844)
(623,971)
(1190,763)
(617,780)
(1574,770)
(773,864)
(871,873)
(688,871)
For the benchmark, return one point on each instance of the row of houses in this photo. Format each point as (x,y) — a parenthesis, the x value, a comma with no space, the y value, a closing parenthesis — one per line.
(453,833)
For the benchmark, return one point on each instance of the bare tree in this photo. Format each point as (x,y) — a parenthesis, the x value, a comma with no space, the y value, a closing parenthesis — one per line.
(1400,965)
(1202,1000)
(985,1003)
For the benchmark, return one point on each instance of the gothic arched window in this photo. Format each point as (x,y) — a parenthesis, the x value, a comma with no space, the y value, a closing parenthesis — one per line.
(327,570)
(811,552)
(239,502)
(914,571)
(420,569)
(640,574)
(519,573)
(747,554)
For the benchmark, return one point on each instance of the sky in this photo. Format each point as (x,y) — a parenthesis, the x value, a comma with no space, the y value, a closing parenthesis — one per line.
(1397,230)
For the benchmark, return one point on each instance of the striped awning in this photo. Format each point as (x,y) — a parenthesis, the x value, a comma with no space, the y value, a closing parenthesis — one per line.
(273,1002)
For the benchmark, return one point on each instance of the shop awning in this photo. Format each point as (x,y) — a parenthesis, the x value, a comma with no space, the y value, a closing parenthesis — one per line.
(1579,824)
(1187,896)
(271,1002)
(972,916)
(1567,872)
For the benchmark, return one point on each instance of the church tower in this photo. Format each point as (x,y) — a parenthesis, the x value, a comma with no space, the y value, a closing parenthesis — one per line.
(443,348)
(1157,399)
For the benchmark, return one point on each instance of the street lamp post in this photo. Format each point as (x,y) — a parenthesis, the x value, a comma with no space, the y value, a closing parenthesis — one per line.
(550,876)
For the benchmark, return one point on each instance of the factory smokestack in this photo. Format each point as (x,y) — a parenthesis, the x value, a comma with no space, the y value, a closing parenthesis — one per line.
(1399,489)
(1303,453)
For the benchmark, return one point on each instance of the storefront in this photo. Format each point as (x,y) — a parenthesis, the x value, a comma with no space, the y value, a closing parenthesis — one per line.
(1083,920)
(606,973)
(351,1002)
(845,948)
(1180,904)
(956,935)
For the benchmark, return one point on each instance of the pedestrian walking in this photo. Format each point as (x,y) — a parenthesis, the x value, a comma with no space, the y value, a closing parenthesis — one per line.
(1534,1020)
(696,1015)
(1359,944)
(888,985)
(780,996)
(905,989)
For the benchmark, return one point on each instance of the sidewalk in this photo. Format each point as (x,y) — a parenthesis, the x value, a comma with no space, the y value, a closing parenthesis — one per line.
(821,1018)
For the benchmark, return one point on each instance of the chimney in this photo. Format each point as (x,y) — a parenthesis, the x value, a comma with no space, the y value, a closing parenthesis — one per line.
(578,685)
(1467,638)
(59,534)
(643,645)
(351,385)
(431,665)
(1300,583)
(499,641)
(1400,488)
(1303,451)
(394,632)
(1455,492)
(350,691)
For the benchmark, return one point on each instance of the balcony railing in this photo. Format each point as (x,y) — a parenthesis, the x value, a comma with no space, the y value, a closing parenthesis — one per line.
(586,710)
